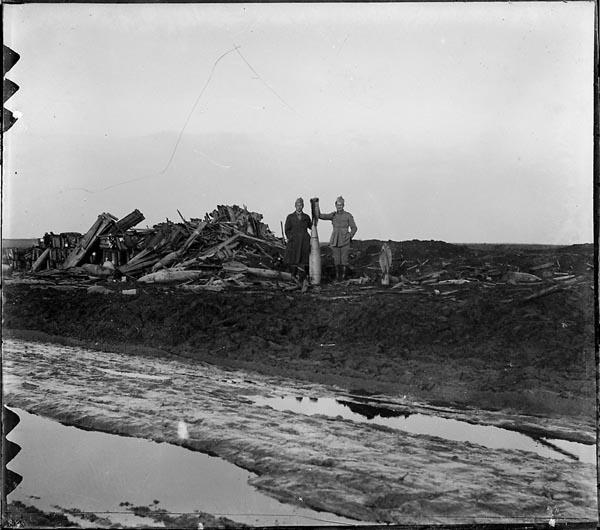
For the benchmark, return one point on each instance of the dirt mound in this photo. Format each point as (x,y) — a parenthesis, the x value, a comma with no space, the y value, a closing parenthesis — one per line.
(366,253)
(448,347)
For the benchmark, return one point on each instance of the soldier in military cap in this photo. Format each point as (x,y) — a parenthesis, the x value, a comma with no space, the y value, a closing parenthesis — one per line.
(344,229)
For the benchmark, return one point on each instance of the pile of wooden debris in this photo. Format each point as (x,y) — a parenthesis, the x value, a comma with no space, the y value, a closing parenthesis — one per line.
(230,246)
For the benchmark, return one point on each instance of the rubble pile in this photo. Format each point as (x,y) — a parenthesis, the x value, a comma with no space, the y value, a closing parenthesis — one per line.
(229,247)
(229,233)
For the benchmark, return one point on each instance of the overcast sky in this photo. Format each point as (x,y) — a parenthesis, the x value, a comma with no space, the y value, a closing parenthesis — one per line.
(465,122)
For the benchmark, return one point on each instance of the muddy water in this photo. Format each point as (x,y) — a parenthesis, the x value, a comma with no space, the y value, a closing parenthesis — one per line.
(450,429)
(353,468)
(97,472)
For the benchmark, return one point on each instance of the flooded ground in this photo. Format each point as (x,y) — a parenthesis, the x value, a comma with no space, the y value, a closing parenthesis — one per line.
(101,473)
(450,429)
(356,468)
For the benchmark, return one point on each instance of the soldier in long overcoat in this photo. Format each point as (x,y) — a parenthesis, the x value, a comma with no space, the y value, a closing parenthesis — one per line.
(297,250)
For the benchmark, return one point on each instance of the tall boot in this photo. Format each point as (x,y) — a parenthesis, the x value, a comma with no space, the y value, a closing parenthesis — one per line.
(343,273)
(305,274)
(338,273)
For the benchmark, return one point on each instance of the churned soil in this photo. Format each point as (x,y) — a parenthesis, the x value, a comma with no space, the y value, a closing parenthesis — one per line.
(479,347)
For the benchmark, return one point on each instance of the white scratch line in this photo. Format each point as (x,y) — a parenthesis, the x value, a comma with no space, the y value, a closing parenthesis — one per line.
(212,71)
(112,185)
(258,76)
(202,153)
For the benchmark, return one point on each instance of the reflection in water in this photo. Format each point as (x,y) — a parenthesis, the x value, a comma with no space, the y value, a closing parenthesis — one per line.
(486,435)
(98,472)
(372,411)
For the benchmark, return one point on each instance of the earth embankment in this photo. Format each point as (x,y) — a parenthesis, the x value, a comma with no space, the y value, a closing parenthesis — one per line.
(480,347)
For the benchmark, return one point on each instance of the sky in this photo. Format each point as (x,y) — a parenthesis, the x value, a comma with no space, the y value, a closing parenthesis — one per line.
(462,122)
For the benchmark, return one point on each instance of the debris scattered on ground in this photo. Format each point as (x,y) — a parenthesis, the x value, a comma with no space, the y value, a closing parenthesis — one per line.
(515,277)
(436,268)
(98,289)
(231,248)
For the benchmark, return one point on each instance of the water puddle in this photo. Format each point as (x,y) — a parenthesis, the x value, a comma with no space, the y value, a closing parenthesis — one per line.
(461,431)
(97,472)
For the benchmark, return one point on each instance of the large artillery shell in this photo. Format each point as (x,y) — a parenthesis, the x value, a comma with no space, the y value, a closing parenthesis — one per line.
(314,260)
(315,210)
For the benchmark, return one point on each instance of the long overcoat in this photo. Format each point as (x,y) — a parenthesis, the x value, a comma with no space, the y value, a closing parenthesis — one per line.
(298,244)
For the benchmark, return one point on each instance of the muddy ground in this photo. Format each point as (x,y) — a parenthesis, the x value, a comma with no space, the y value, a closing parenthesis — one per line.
(481,346)
(360,471)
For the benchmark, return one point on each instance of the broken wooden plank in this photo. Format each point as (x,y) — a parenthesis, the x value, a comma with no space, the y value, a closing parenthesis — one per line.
(268,242)
(458,281)
(167,260)
(127,222)
(270,274)
(187,224)
(213,250)
(564,278)
(446,293)
(104,222)
(194,235)
(543,266)
(237,267)
(138,265)
(40,261)
(358,281)
(171,276)
(140,256)
(541,293)
(199,288)
(521,277)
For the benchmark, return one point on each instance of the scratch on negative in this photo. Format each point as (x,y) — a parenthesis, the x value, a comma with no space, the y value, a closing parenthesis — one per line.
(203,154)
(237,49)
(212,71)
(112,185)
